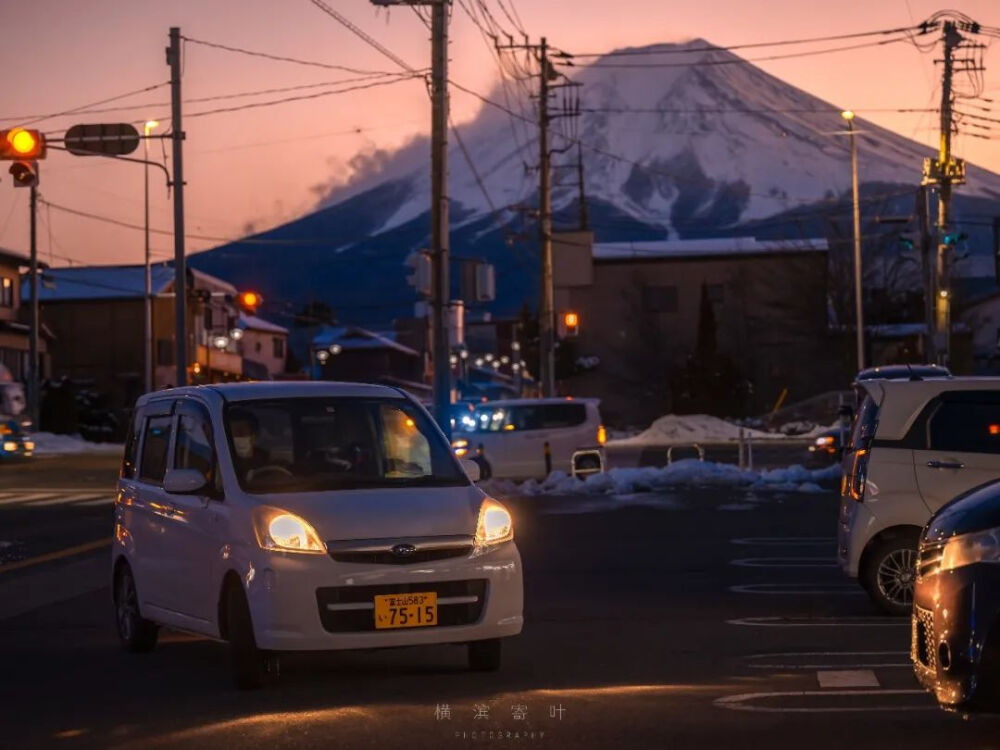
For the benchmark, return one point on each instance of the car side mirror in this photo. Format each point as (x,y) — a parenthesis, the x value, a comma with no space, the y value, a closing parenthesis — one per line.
(184,481)
(472,469)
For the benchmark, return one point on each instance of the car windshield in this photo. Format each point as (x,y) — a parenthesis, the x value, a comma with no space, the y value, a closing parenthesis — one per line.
(316,444)
(520,417)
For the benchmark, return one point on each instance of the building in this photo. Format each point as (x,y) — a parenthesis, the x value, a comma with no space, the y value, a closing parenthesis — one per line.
(14,332)
(357,354)
(662,323)
(97,315)
(264,347)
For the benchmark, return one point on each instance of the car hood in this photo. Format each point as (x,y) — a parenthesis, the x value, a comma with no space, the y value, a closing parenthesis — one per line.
(386,514)
(975,510)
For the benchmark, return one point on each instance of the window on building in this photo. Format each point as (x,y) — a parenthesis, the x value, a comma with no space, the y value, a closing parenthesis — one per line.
(279,347)
(209,321)
(716,292)
(7,292)
(154,449)
(659,299)
(966,427)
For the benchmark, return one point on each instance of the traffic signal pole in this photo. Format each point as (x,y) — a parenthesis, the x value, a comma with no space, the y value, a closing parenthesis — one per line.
(546,313)
(180,270)
(942,322)
(34,389)
(440,287)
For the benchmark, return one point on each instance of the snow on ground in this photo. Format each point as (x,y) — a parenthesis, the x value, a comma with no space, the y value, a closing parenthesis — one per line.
(49,444)
(685,473)
(677,429)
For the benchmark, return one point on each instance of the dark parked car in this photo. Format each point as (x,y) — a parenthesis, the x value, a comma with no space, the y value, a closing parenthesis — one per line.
(956,613)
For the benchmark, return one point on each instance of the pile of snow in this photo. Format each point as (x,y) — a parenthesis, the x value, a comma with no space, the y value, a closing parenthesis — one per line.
(685,473)
(674,429)
(50,444)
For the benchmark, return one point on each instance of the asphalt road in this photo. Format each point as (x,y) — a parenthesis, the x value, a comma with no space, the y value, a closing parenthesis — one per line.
(696,619)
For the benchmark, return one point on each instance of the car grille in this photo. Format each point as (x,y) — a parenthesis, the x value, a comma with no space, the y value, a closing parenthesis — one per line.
(929,558)
(922,649)
(363,620)
(387,557)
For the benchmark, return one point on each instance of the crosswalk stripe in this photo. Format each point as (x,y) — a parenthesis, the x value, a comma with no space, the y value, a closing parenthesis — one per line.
(101,501)
(68,499)
(57,497)
(27,498)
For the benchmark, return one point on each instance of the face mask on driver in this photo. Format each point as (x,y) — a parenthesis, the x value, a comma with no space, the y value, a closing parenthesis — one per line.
(243,446)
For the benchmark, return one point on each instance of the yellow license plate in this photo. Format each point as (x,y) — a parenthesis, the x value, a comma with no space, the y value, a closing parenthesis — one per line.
(413,610)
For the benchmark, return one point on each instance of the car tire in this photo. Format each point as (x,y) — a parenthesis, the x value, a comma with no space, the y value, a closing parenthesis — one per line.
(251,667)
(485,656)
(136,634)
(890,572)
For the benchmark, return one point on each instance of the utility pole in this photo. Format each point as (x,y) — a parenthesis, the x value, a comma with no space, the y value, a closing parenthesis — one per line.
(859,316)
(546,314)
(440,286)
(180,265)
(34,380)
(944,172)
(927,270)
(584,219)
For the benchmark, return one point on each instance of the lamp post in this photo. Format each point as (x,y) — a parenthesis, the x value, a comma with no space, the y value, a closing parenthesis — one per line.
(148,301)
(858,311)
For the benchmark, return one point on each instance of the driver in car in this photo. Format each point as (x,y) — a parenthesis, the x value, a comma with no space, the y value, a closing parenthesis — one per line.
(250,458)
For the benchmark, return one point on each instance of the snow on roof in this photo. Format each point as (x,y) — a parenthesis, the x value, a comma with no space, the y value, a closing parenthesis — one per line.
(703,248)
(110,282)
(353,337)
(253,323)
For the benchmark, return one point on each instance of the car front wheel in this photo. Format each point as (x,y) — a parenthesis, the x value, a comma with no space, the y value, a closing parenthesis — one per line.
(251,666)
(890,573)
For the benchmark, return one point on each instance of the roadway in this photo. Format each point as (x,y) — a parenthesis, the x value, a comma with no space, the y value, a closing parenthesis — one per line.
(701,619)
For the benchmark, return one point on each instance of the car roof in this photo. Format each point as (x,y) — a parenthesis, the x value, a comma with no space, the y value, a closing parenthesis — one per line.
(536,401)
(289,389)
(900,401)
(897,372)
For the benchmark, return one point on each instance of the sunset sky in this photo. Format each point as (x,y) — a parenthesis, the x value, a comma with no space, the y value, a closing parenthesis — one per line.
(259,167)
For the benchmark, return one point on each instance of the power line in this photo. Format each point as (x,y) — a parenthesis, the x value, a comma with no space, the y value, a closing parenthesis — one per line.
(282,58)
(77,110)
(740,110)
(370,41)
(922,28)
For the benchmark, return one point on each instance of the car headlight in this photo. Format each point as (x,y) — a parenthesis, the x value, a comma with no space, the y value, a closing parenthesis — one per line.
(283,531)
(495,524)
(968,549)
(461,447)
(826,441)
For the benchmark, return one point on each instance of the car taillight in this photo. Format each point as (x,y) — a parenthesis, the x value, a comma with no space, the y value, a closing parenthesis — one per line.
(602,435)
(859,475)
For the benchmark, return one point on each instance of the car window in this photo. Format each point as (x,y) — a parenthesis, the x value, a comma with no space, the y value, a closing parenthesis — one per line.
(966,427)
(315,444)
(555,416)
(865,424)
(131,454)
(153,465)
(194,448)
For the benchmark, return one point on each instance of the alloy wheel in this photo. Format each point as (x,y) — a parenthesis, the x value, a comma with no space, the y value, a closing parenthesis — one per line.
(896,575)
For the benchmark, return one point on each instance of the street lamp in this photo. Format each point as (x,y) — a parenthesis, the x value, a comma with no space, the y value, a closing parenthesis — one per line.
(848,115)
(148,306)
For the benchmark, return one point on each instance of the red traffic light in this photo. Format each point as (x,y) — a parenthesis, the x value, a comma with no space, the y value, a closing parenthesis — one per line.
(250,301)
(18,144)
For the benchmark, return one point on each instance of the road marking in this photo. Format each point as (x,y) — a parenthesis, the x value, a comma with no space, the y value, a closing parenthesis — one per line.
(67,499)
(741,702)
(785,562)
(100,501)
(790,589)
(58,555)
(25,498)
(45,498)
(814,655)
(847,678)
(846,621)
(780,541)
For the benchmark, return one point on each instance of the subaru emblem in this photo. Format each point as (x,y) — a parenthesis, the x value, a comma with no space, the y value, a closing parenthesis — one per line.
(403,550)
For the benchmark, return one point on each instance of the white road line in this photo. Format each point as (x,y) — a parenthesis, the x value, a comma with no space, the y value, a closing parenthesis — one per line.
(26,498)
(846,621)
(791,589)
(781,541)
(94,503)
(820,655)
(65,499)
(784,562)
(741,702)
(847,678)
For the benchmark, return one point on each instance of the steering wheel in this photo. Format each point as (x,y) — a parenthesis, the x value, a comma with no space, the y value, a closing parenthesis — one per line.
(269,469)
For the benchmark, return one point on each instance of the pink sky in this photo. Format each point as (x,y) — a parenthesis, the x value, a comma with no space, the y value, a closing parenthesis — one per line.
(81,52)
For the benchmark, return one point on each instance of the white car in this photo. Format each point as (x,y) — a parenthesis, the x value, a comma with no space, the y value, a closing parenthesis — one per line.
(306,516)
(529,438)
(915,445)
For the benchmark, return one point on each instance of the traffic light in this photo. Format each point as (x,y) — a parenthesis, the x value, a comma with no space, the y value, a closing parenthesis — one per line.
(19,144)
(25,173)
(249,301)
(570,324)
(419,277)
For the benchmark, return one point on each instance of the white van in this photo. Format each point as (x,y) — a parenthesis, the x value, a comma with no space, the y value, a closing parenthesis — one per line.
(306,516)
(916,444)
(529,438)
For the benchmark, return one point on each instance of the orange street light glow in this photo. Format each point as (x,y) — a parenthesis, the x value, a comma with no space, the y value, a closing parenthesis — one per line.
(572,320)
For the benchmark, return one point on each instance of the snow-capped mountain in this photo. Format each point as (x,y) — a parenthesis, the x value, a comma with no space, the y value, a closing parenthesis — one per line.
(716,148)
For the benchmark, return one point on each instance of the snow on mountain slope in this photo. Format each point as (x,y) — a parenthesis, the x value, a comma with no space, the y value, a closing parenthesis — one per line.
(725,143)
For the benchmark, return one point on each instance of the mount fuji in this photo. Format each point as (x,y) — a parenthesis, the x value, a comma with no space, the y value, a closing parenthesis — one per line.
(689,143)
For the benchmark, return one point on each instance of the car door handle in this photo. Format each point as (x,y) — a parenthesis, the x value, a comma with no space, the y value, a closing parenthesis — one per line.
(935,464)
